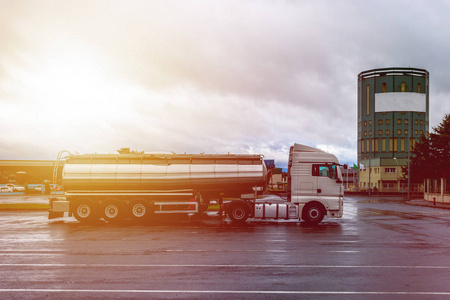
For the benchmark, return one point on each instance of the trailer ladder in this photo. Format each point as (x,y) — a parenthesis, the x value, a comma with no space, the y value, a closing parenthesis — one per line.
(57,163)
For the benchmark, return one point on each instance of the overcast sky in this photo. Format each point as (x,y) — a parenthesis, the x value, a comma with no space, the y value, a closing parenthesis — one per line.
(205,76)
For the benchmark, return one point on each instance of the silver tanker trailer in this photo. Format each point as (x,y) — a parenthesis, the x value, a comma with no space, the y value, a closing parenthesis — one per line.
(114,187)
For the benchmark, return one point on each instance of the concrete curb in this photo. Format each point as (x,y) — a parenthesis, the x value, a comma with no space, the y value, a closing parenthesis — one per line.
(425,203)
(24,206)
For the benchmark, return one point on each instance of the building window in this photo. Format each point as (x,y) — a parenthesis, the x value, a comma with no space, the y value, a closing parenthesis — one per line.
(421,132)
(383,145)
(389,170)
(383,87)
(402,145)
(399,131)
(399,121)
(362,146)
(419,88)
(365,123)
(402,87)
(370,122)
(406,132)
(376,145)
(380,122)
(391,144)
(387,132)
(370,132)
(421,122)
(416,121)
(419,113)
(395,145)
(416,132)
(387,121)
(365,133)
(380,132)
(367,146)
(406,121)
(367,100)
(412,143)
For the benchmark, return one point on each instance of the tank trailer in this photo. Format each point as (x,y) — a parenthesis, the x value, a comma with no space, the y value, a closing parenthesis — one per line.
(138,186)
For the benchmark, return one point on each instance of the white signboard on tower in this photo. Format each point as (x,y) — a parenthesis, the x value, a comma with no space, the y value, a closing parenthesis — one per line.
(400,102)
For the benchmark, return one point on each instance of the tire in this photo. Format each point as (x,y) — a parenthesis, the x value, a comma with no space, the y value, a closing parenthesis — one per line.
(313,213)
(113,211)
(140,210)
(238,212)
(84,210)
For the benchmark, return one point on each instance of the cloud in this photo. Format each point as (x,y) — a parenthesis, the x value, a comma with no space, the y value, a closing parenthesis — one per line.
(204,76)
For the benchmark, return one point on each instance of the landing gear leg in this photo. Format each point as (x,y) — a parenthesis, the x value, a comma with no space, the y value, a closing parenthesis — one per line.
(221,212)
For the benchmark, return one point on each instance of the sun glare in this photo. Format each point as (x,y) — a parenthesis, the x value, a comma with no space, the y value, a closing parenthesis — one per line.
(73,88)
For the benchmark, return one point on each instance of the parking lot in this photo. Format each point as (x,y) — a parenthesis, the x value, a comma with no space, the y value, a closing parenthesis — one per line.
(382,248)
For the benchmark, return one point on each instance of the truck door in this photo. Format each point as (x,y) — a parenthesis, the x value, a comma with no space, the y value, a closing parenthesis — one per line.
(327,179)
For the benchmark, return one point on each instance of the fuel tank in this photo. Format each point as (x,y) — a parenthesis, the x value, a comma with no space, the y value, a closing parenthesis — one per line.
(209,174)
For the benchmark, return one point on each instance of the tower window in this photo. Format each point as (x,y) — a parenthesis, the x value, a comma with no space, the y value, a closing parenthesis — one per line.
(419,88)
(383,87)
(403,87)
(387,121)
(367,100)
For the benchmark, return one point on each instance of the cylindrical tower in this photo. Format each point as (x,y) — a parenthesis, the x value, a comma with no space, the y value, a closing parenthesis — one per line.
(393,105)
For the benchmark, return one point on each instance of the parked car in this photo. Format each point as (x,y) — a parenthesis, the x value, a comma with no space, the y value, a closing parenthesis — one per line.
(6,189)
(16,188)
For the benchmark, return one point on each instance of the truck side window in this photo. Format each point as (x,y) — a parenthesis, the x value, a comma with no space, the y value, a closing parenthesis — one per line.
(324,171)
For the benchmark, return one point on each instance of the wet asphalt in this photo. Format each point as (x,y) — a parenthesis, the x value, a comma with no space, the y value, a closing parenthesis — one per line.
(381,249)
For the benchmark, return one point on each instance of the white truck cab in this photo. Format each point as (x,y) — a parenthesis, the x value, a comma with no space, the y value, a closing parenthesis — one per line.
(315,183)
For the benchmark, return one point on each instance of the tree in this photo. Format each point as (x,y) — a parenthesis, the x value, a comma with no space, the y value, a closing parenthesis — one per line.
(430,157)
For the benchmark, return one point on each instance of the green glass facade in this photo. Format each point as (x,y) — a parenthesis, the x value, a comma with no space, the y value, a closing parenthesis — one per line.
(393,112)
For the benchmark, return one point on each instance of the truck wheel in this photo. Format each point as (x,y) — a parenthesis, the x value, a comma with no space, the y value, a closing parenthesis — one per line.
(139,210)
(313,213)
(84,210)
(238,212)
(112,211)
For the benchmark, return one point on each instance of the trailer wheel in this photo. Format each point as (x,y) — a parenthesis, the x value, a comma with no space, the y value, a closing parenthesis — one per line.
(238,212)
(313,213)
(140,210)
(112,211)
(84,210)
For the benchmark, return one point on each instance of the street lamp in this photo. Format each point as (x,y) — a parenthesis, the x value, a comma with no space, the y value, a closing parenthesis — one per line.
(396,170)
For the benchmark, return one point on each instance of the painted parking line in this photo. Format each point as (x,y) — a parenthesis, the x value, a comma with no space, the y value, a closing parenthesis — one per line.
(264,292)
(218,266)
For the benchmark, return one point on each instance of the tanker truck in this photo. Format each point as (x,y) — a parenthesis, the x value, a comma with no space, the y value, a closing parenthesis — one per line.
(141,185)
